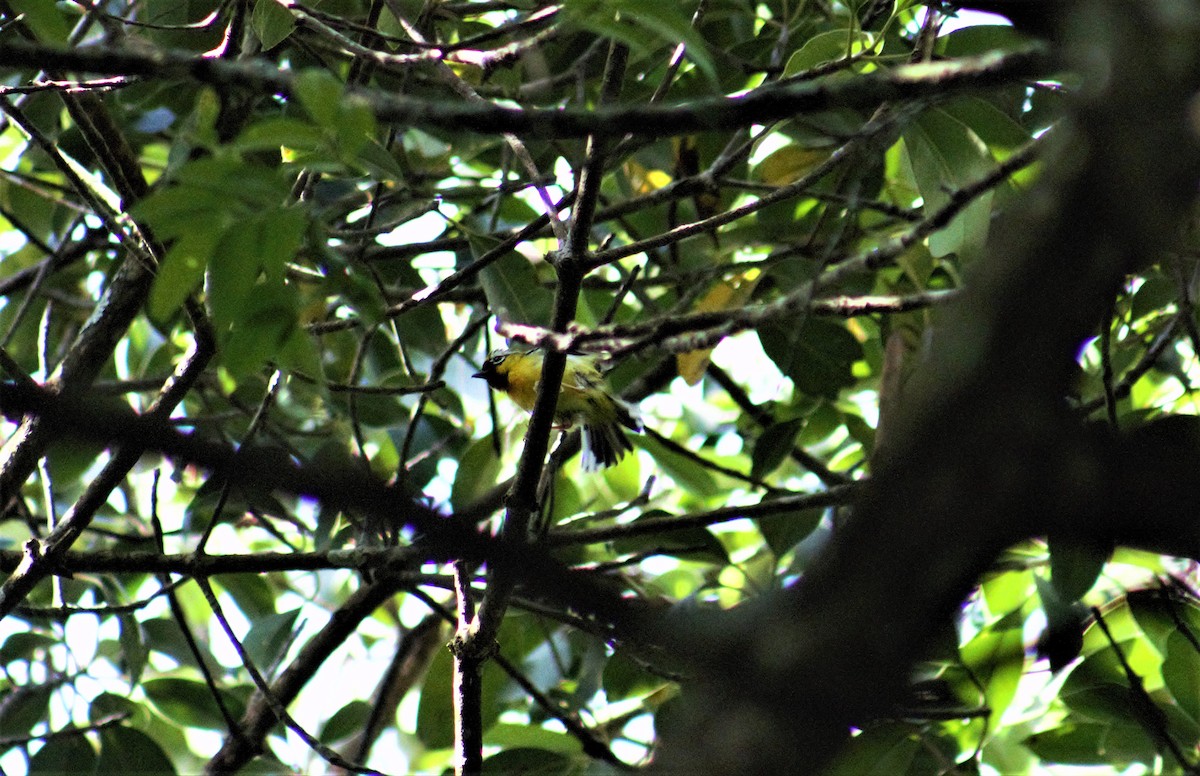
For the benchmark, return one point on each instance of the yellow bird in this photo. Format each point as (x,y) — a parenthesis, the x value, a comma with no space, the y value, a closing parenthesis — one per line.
(584,398)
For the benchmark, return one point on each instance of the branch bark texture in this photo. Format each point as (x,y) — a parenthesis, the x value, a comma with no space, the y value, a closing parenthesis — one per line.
(985,450)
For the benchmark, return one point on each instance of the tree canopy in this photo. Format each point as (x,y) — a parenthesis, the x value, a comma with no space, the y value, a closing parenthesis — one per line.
(901,295)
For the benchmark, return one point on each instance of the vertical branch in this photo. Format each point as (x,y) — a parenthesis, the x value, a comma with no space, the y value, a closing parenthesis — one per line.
(467,682)
(1106,367)
(475,641)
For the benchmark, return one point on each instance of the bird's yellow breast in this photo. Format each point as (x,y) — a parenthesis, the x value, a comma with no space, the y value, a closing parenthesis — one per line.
(583,391)
(524,371)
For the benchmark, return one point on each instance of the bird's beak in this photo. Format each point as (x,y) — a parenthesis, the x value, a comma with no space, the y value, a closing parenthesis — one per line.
(480,375)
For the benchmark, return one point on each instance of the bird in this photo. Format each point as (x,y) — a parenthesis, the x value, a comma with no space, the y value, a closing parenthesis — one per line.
(584,398)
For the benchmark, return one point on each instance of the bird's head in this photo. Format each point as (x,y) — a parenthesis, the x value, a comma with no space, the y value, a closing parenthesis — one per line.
(495,371)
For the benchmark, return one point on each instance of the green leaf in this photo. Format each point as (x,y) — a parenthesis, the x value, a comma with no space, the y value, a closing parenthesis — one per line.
(129,751)
(509,736)
(946,155)
(625,677)
(435,713)
(992,125)
(280,233)
(108,704)
(272,23)
(46,20)
(189,703)
(258,246)
(694,478)
(1101,667)
(299,354)
(512,289)
(231,276)
(1155,293)
(263,328)
(63,755)
(356,126)
(182,268)
(477,472)
(1110,703)
(1156,615)
(22,646)
(881,750)
(379,161)
(623,19)
(424,328)
(827,47)
(818,356)
(997,657)
(349,720)
(528,762)
(276,132)
(1181,673)
(1077,743)
(784,531)
(23,707)
(269,638)
(694,543)
(321,95)
(133,647)
(1076,564)
(163,636)
(252,593)
(1130,744)
(773,447)
(978,39)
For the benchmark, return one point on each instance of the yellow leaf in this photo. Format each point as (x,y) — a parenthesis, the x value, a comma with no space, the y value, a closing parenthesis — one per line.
(789,164)
(724,294)
(643,180)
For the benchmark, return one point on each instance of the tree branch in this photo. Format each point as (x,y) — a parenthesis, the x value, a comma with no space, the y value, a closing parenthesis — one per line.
(984,452)
(765,105)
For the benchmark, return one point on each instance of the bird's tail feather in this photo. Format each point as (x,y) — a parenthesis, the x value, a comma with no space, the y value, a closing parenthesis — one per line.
(604,444)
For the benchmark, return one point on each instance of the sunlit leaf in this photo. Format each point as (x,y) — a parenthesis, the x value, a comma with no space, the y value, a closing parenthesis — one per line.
(827,47)
(789,163)
(946,155)
(272,23)
(724,295)
(1181,672)
(188,703)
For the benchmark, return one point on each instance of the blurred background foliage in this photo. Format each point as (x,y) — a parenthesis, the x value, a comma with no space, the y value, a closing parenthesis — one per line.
(322,246)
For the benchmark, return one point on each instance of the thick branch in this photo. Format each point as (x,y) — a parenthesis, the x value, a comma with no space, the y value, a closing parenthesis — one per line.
(346,487)
(759,107)
(984,452)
